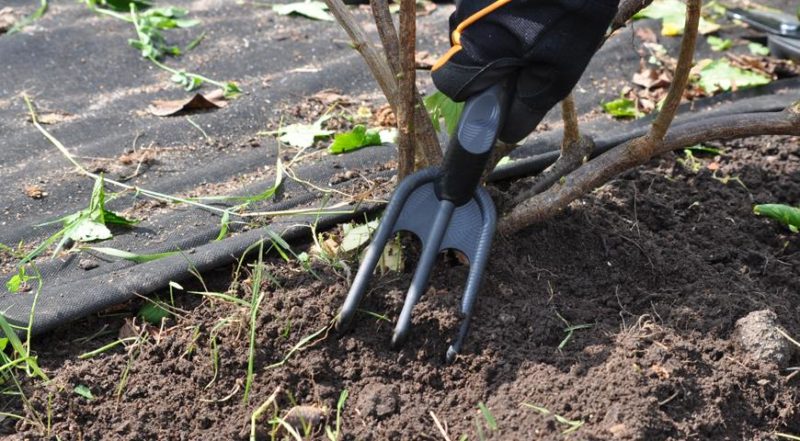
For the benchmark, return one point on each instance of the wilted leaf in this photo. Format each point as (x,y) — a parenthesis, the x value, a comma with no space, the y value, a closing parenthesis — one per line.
(392,257)
(785,214)
(758,49)
(133,257)
(153,313)
(355,139)
(87,230)
(440,107)
(312,9)
(302,135)
(720,75)
(213,100)
(84,391)
(719,44)
(356,235)
(622,108)
(672,14)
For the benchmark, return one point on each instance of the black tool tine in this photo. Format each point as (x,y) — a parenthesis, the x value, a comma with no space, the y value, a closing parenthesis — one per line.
(478,262)
(421,275)
(382,235)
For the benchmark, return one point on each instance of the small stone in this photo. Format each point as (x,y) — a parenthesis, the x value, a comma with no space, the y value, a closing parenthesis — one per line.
(88,264)
(757,334)
(378,400)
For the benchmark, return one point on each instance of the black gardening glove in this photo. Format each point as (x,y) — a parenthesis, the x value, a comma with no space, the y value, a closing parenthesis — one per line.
(544,44)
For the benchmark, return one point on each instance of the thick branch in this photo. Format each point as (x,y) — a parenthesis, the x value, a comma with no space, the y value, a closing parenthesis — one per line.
(406,90)
(574,150)
(625,156)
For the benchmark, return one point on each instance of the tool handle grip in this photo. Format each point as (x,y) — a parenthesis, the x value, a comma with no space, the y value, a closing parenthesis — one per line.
(470,147)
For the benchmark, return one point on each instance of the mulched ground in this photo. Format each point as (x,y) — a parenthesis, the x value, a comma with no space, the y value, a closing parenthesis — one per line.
(661,263)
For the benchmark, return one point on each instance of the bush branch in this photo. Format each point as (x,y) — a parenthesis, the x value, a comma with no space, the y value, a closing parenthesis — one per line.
(625,156)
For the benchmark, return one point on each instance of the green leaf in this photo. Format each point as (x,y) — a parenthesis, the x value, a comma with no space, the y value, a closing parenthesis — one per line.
(14,284)
(138,258)
(231,90)
(785,214)
(491,422)
(125,5)
(672,14)
(719,44)
(758,49)
(720,75)
(700,148)
(622,108)
(440,106)
(84,391)
(302,135)
(153,313)
(355,139)
(312,9)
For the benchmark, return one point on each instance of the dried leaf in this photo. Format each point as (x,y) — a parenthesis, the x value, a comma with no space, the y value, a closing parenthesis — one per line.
(7,19)
(34,191)
(330,96)
(213,100)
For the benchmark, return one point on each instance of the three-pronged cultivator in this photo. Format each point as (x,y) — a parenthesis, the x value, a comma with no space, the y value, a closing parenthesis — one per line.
(446,209)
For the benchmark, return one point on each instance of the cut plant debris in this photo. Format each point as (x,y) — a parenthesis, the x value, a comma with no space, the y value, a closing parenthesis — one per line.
(571,425)
(27,21)
(301,135)
(721,76)
(785,214)
(672,14)
(315,10)
(150,23)
(87,225)
(153,312)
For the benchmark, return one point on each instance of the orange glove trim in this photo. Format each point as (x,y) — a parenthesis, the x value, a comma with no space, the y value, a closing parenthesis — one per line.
(455,37)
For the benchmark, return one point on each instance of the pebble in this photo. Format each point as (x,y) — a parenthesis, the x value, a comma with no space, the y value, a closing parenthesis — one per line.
(757,334)
(88,264)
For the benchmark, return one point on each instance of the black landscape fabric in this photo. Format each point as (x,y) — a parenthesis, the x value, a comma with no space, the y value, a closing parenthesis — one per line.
(78,65)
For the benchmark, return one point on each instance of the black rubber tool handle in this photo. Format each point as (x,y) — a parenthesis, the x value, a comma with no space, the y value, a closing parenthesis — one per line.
(469,150)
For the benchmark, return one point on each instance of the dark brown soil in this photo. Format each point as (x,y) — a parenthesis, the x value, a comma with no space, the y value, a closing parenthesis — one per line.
(661,263)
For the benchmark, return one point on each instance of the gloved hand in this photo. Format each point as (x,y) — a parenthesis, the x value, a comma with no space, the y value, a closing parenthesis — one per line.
(544,44)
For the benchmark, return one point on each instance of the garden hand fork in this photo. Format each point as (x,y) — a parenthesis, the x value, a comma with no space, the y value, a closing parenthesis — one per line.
(446,209)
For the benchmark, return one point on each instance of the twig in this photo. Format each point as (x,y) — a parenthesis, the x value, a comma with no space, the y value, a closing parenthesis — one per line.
(375,61)
(439,426)
(680,78)
(626,155)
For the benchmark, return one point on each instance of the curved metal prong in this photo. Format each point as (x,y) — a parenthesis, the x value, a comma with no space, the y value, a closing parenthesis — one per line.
(382,235)
(420,281)
(478,264)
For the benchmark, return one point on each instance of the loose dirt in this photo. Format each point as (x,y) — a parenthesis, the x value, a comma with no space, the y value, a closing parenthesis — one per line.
(661,263)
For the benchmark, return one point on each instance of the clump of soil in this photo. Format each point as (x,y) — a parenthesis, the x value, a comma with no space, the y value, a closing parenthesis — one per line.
(661,263)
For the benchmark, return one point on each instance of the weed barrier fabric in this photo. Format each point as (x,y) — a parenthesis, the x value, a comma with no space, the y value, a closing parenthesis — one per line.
(102,87)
